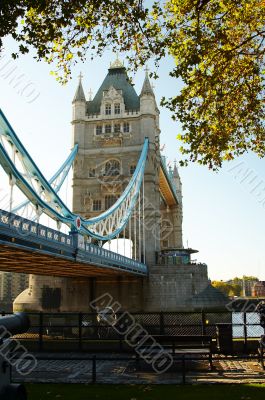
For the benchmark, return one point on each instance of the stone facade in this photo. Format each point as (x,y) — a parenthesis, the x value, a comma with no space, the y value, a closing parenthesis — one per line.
(110,141)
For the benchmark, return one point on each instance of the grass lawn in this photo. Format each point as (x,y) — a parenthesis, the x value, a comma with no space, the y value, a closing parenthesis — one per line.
(146,392)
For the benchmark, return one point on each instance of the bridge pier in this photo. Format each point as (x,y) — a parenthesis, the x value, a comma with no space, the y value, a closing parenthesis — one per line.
(53,294)
(168,287)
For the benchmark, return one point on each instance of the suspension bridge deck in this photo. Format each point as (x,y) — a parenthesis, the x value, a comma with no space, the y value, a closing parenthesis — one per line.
(28,247)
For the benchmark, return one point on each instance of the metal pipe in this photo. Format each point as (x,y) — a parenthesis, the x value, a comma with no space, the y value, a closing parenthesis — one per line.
(14,324)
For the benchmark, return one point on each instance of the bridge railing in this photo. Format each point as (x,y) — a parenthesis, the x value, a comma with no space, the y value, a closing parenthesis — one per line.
(26,227)
(111,257)
(76,247)
(108,257)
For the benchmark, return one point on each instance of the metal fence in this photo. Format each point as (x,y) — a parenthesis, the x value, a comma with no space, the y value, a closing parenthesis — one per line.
(83,331)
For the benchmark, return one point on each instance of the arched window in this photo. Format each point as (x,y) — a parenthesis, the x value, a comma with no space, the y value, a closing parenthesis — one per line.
(112,168)
(96,205)
(126,127)
(117,108)
(108,109)
(132,169)
(108,128)
(117,128)
(109,201)
(91,172)
(98,129)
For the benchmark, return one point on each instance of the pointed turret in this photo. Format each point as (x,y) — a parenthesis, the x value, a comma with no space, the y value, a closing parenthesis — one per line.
(147,97)
(175,170)
(79,94)
(147,88)
(177,181)
(79,101)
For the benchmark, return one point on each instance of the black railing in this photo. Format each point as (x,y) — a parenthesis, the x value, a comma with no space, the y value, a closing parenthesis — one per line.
(95,375)
(84,331)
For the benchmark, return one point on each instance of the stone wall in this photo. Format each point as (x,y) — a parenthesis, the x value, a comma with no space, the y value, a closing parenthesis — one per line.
(171,287)
(168,288)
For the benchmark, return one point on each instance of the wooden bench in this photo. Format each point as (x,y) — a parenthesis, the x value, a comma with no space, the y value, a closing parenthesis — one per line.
(181,346)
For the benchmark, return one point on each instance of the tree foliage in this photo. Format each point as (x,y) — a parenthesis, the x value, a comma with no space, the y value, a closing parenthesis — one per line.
(218,48)
(65,31)
(219,52)
(229,289)
(244,278)
(234,287)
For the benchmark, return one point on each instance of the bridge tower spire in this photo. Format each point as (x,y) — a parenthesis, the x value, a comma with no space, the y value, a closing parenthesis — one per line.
(79,101)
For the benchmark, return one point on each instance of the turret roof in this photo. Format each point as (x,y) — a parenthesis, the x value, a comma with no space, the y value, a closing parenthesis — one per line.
(147,88)
(79,94)
(117,77)
(175,170)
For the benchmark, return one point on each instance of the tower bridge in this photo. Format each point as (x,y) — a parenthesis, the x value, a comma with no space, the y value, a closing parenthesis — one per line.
(122,191)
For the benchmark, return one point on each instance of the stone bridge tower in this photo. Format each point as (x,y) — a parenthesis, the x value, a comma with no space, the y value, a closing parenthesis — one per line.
(110,130)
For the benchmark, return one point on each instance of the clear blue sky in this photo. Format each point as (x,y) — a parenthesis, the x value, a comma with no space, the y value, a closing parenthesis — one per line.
(223,218)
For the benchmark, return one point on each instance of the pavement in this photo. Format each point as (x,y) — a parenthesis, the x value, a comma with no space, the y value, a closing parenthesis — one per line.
(126,370)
